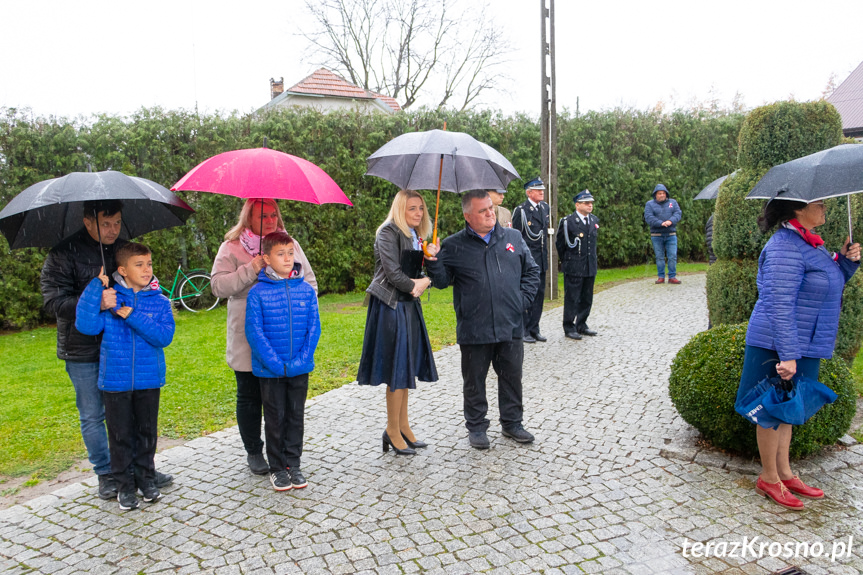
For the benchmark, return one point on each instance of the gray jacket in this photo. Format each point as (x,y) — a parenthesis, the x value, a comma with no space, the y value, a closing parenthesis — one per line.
(389,278)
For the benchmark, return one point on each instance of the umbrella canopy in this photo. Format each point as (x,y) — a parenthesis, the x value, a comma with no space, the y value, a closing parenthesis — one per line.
(263,173)
(413,161)
(47,212)
(710,191)
(826,174)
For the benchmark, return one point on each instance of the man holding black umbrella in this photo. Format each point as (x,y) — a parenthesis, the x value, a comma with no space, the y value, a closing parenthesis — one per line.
(68,269)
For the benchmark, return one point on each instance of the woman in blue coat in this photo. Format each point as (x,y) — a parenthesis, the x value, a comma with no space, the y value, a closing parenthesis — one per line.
(793,325)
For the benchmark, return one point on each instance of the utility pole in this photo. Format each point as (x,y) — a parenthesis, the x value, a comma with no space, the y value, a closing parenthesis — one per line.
(548,121)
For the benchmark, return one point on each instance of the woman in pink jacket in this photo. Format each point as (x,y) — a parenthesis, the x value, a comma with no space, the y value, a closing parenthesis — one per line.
(235,271)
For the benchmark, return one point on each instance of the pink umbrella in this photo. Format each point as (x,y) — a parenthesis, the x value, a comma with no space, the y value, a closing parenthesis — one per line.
(263,173)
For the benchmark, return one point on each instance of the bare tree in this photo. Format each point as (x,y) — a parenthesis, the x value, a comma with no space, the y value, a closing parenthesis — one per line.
(408,49)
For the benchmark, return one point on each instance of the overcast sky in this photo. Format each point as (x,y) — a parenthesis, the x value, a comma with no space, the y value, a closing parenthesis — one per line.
(83,57)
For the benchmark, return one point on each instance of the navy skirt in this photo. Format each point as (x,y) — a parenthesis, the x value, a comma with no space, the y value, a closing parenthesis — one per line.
(759,362)
(396,346)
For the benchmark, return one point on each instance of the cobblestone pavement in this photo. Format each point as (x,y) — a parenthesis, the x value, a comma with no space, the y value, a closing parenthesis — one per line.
(597,492)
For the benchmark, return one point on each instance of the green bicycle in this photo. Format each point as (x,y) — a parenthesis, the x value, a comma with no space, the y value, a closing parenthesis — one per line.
(194,291)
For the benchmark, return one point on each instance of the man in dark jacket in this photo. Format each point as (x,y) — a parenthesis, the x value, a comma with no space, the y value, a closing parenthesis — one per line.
(576,248)
(68,268)
(531,218)
(494,279)
(662,215)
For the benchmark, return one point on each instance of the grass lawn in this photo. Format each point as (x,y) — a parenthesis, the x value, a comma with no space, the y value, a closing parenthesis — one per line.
(39,433)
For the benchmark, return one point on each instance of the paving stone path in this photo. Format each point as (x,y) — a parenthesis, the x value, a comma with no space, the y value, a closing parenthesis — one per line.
(597,493)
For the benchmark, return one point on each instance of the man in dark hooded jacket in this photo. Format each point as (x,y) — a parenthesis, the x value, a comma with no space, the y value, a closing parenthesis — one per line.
(662,214)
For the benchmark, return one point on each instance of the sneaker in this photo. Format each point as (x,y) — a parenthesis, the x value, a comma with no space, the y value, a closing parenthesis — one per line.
(478,440)
(297,479)
(151,493)
(281,481)
(519,434)
(127,500)
(107,487)
(163,479)
(660,281)
(673,281)
(257,464)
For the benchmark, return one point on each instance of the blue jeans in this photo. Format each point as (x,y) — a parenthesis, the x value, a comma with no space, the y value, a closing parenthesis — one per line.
(665,247)
(91,413)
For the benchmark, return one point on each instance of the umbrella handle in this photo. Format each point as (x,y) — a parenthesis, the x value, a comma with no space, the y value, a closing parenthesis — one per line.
(437,204)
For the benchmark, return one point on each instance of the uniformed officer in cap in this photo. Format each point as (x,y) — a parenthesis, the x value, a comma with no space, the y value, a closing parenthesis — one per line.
(576,248)
(532,219)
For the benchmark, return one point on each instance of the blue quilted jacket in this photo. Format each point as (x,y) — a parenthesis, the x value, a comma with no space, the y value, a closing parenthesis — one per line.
(282,326)
(657,212)
(131,356)
(799,297)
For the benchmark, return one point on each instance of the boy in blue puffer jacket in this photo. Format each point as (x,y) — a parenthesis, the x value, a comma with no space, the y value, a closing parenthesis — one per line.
(283,329)
(131,366)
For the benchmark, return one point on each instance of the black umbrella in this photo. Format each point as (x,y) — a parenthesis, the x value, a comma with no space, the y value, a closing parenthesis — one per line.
(710,191)
(47,212)
(830,173)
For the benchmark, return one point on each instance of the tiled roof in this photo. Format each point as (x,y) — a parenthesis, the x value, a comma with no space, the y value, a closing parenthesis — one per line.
(326,83)
(848,99)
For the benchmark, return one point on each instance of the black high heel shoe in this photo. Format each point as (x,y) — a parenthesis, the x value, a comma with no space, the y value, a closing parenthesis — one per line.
(387,444)
(414,444)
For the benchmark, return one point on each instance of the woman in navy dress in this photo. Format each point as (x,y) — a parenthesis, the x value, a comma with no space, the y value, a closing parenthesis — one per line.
(793,326)
(396,347)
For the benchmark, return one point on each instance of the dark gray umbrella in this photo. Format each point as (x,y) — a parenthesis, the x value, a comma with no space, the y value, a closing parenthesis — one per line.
(440,160)
(413,162)
(710,191)
(47,212)
(830,173)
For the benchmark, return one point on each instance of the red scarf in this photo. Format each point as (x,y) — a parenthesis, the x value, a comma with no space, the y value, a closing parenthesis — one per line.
(813,240)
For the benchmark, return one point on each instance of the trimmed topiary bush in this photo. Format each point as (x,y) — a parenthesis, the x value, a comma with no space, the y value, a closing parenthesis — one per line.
(731,290)
(735,223)
(783,131)
(703,386)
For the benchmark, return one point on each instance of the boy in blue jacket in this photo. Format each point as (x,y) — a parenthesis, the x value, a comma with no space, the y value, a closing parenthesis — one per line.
(131,366)
(283,329)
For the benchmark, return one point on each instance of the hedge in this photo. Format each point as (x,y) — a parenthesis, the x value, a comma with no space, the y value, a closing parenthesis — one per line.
(619,154)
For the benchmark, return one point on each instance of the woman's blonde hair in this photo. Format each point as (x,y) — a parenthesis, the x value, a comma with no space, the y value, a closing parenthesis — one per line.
(245,220)
(397,215)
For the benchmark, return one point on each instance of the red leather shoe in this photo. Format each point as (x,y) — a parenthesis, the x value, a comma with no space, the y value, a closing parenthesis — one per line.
(795,485)
(673,281)
(778,493)
(660,281)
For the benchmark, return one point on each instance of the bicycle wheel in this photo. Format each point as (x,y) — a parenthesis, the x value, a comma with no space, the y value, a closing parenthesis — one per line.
(195,293)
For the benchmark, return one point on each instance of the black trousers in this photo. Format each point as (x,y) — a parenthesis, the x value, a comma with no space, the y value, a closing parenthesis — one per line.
(249,411)
(577,301)
(133,430)
(534,312)
(284,400)
(506,357)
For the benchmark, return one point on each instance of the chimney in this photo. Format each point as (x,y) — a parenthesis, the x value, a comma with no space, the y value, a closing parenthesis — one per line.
(276,88)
